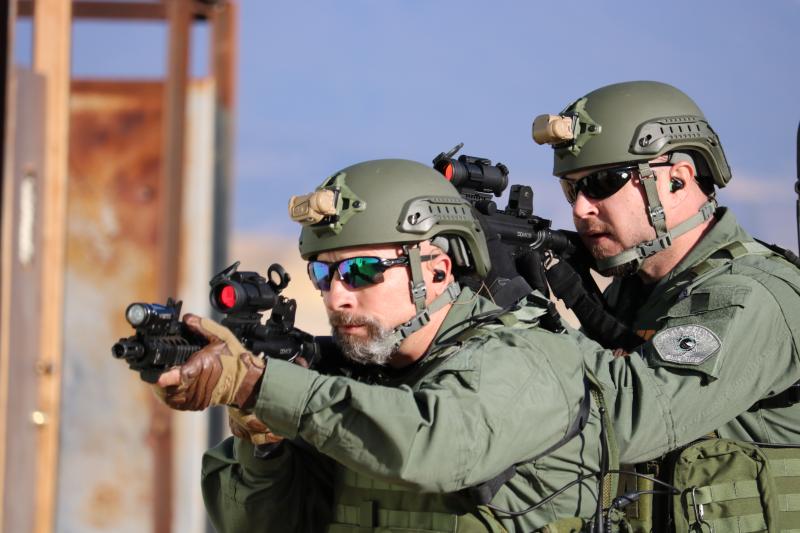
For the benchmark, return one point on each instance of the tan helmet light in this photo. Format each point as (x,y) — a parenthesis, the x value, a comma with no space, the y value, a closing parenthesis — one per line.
(552,129)
(312,208)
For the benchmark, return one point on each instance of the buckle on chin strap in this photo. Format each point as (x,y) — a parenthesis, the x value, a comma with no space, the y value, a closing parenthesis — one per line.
(656,214)
(418,292)
(645,171)
(417,284)
(645,249)
(422,318)
(419,321)
(648,248)
(707,211)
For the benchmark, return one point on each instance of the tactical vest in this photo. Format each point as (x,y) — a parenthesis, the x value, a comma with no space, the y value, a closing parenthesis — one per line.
(366,505)
(363,504)
(719,484)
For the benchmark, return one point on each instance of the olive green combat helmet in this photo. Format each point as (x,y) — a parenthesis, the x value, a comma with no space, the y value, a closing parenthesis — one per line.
(393,201)
(633,123)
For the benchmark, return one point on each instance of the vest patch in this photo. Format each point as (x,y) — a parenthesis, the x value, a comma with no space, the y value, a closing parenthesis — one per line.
(687,345)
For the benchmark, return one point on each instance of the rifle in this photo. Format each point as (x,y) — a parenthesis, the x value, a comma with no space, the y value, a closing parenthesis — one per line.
(162,341)
(478,181)
(526,236)
(534,245)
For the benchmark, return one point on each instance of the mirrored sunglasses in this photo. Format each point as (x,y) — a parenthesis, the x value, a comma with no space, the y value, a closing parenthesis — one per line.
(602,183)
(355,272)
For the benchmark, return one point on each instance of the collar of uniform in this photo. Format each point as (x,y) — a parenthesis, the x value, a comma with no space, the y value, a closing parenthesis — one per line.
(457,320)
(724,232)
(467,305)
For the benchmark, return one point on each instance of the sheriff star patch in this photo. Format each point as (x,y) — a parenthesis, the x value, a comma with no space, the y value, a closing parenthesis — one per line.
(686,345)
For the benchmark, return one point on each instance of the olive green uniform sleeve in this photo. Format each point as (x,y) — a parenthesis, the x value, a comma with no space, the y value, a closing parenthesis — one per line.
(467,421)
(291,490)
(660,402)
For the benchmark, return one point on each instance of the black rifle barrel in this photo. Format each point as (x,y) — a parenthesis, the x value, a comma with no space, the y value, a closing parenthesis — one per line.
(528,233)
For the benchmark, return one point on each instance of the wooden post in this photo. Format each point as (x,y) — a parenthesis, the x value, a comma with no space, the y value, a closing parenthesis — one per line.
(7,115)
(51,58)
(52,22)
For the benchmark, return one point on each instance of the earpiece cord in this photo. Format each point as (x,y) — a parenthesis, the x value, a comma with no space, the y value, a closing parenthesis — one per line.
(633,496)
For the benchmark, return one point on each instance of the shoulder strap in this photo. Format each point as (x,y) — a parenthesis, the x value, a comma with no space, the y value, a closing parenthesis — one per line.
(783,252)
(610,478)
(504,318)
(715,265)
(738,249)
(508,319)
(732,251)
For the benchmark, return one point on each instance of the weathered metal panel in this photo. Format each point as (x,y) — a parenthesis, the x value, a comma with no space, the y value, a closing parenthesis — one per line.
(20,327)
(115,438)
(109,421)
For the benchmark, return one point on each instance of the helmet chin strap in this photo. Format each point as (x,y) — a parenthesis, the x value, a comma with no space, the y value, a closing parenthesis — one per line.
(418,295)
(655,213)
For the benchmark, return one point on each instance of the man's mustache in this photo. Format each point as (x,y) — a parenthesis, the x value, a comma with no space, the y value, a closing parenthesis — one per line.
(592,227)
(341,318)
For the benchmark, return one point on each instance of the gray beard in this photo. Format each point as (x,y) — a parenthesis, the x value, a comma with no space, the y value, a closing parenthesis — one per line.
(377,348)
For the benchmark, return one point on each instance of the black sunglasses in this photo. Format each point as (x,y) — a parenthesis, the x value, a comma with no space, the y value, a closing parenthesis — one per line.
(602,183)
(355,272)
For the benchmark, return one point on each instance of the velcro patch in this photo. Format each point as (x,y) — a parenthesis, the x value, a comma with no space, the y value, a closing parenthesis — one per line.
(687,345)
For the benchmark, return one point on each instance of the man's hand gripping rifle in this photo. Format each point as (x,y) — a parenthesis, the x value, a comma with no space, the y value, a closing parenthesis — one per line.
(162,341)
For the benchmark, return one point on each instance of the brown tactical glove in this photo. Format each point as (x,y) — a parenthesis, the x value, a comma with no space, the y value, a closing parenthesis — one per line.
(246,426)
(222,373)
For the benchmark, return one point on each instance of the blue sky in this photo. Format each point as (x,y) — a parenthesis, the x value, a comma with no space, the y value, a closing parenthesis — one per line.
(322,85)
(340,82)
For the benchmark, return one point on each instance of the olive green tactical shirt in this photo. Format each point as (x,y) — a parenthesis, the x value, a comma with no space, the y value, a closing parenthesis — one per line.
(720,338)
(459,416)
